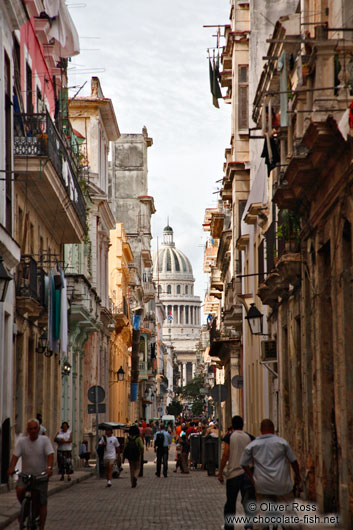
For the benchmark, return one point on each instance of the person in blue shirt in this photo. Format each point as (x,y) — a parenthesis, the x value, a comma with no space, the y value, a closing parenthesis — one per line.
(162,441)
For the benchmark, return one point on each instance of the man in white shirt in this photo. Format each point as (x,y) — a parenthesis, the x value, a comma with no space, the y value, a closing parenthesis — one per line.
(37,457)
(236,479)
(111,450)
(270,455)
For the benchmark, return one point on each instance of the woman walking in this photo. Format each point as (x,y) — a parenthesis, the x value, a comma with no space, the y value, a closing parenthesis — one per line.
(133,451)
(64,440)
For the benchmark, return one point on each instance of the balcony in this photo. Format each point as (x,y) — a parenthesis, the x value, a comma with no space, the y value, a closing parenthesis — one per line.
(47,171)
(143,371)
(216,281)
(149,291)
(27,291)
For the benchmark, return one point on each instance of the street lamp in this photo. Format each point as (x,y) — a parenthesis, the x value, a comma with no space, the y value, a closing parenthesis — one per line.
(5,279)
(42,343)
(66,368)
(254,318)
(121,374)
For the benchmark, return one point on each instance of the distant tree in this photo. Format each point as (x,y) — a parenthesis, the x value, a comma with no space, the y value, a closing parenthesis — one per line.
(174,408)
(191,392)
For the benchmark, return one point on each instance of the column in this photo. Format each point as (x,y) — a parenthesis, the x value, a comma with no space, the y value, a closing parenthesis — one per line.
(193,370)
(184,374)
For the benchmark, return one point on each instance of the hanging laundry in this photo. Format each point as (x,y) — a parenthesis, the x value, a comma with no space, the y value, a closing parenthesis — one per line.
(270,153)
(283,83)
(214,83)
(63,316)
(54,305)
(136,322)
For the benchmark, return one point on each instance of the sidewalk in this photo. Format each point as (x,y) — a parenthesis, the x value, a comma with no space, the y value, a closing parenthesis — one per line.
(9,505)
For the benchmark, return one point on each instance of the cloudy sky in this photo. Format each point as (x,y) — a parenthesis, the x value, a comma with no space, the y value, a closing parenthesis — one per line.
(151,58)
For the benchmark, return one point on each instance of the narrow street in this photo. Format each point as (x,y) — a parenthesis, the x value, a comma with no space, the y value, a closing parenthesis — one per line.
(178,502)
(187,502)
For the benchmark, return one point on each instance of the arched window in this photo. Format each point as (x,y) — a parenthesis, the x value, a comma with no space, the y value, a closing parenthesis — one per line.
(169,289)
(178,289)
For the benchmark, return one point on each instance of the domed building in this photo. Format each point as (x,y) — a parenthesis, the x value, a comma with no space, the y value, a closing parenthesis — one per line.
(173,276)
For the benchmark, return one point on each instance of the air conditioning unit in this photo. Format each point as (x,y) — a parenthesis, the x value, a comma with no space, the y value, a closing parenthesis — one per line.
(268,350)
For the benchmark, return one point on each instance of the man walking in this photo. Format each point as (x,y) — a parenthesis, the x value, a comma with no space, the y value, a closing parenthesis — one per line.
(270,454)
(236,479)
(162,441)
(37,457)
(111,451)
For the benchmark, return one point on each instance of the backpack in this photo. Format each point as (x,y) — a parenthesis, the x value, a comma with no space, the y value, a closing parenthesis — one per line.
(100,449)
(159,440)
(131,449)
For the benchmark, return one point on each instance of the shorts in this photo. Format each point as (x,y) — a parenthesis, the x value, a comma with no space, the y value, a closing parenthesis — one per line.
(109,461)
(41,487)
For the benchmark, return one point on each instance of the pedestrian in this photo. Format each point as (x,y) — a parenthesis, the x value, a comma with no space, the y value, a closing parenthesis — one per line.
(184,456)
(111,451)
(64,440)
(133,452)
(162,441)
(37,457)
(148,436)
(270,455)
(237,480)
(83,452)
(212,430)
(43,430)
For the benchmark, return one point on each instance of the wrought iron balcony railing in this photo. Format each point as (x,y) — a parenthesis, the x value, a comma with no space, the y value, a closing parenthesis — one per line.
(36,136)
(27,280)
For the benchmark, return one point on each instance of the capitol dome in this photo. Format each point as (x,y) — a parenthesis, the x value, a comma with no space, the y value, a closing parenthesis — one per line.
(169,262)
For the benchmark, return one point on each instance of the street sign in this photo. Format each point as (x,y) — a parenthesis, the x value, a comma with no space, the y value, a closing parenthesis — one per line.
(92,409)
(219,391)
(96,394)
(237,381)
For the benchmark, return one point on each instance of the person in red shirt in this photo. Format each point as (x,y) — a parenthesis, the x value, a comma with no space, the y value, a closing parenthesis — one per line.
(190,430)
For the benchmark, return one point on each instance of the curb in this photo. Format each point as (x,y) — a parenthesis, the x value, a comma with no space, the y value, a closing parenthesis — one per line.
(52,491)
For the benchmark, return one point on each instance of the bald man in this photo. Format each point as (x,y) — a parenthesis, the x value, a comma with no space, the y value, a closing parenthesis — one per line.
(37,457)
(271,455)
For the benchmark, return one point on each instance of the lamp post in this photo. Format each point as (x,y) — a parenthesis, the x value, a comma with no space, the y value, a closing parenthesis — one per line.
(42,343)
(5,279)
(254,318)
(120,374)
(66,368)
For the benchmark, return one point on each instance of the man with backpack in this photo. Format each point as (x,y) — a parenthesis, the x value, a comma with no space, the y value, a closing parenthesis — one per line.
(133,452)
(162,441)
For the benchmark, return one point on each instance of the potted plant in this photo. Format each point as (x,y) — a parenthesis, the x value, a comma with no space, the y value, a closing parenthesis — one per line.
(288,230)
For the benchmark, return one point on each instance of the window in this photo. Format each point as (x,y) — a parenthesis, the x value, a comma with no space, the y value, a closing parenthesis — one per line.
(186,289)
(178,289)
(29,100)
(169,289)
(243,119)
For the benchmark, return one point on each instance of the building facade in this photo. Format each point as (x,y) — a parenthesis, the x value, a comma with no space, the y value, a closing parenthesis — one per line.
(120,256)
(132,206)
(91,319)
(172,273)
(12,17)
(287,191)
